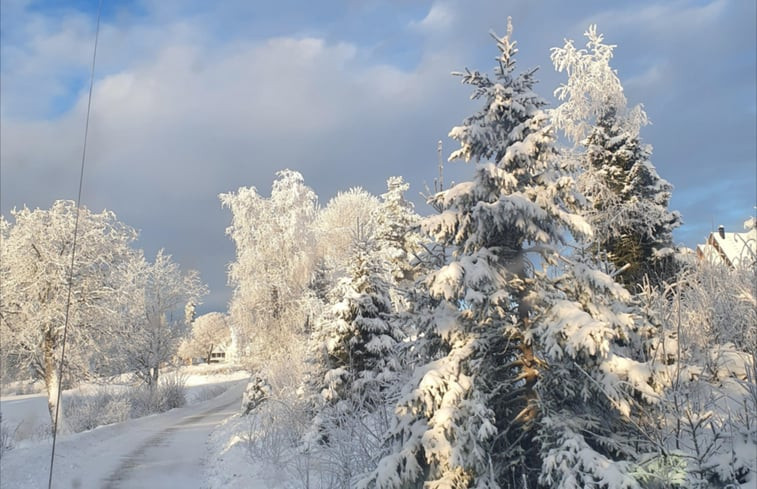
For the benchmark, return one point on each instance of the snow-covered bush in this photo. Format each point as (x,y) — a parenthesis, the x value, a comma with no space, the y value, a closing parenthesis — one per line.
(173,391)
(350,438)
(207,392)
(87,411)
(22,387)
(255,393)
(273,437)
(169,393)
(705,422)
(275,429)
(113,404)
(7,436)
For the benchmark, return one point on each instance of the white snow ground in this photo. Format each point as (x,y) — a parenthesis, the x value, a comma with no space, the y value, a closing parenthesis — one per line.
(233,467)
(27,417)
(167,450)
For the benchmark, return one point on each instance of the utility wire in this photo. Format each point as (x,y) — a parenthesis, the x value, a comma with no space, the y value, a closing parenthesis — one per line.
(73,247)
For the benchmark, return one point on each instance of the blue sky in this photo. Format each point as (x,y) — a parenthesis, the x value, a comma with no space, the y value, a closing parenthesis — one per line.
(194,98)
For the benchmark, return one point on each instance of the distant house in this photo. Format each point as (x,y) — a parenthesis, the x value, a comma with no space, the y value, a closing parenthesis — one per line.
(730,249)
(218,356)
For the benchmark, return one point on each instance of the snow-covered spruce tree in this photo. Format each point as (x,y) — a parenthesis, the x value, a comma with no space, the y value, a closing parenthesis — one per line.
(528,383)
(354,366)
(629,205)
(396,232)
(628,210)
(353,343)
(398,239)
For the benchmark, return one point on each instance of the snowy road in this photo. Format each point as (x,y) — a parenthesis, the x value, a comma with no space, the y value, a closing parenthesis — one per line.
(161,451)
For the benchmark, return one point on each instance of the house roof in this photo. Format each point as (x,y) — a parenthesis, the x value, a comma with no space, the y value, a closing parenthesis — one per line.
(732,249)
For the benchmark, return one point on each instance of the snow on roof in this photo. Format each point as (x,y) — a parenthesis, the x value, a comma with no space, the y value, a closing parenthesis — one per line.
(733,249)
(709,253)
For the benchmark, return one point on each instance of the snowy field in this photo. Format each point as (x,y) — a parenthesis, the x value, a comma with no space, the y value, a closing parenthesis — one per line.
(164,450)
(27,418)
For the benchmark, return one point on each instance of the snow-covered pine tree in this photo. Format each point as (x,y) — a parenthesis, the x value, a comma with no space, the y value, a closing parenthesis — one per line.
(397,236)
(354,366)
(526,383)
(629,204)
(628,209)
(354,341)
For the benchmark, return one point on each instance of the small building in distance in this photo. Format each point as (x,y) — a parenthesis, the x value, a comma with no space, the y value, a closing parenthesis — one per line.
(731,249)
(219,354)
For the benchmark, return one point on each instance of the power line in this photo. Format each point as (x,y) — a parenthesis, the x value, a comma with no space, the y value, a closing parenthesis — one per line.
(73,247)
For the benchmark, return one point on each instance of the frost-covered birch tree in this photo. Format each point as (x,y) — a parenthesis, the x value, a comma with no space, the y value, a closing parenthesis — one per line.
(210,332)
(628,200)
(336,224)
(34,280)
(155,321)
(526,382)
(275,258)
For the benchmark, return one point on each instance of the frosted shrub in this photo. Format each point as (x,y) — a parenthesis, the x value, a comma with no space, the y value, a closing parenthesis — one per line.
(354,435)
(278,443)
(88,411)
(143,401)
(207,393)
(705,419)
(274,432)
(7,436)
(108,405)
(170,393)
(173,392)
(256,392)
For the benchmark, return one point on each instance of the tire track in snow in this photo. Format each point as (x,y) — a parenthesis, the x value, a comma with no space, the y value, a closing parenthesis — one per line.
(173,456)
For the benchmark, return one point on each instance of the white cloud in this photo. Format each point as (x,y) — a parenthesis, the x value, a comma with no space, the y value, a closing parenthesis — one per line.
(667,19)
(181,114)
(440,18)
(174,125)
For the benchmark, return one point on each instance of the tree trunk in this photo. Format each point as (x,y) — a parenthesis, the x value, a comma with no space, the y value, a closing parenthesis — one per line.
(529,372)
(155,374)
(52,378)
(275,313)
